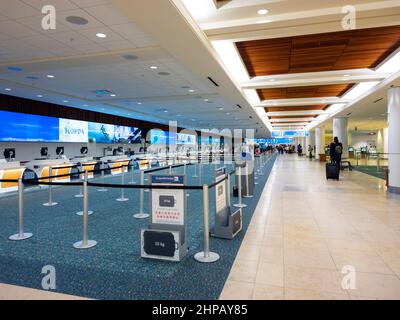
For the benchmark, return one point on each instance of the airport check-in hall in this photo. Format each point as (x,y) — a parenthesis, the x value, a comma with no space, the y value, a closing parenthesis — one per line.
(199,150)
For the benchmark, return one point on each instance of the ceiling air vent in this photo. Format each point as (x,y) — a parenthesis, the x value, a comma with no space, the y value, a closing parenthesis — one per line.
(378,100)
(213,82)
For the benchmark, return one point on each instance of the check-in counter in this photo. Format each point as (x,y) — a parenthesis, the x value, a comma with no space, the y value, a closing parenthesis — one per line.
(10,171)
(87,164)
(115,163)
(58,166)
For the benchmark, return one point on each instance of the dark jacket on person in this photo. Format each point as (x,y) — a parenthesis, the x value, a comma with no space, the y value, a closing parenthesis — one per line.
(335,151)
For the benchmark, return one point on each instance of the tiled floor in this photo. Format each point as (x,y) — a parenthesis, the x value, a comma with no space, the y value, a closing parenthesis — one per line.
(306,229)
(9,292)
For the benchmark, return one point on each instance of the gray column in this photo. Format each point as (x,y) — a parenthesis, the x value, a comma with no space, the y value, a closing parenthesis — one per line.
(394,139)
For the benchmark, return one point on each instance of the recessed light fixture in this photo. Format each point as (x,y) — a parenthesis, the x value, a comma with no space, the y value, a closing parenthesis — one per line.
(113,95)
(220,108)
(262,11)
(206,100)
(264,21)
(191,90)
(166,111)
(272,80)
(346,75)
(101,35)
(50,76)
(139,103)
(154,67)
(7,89)
(228,113)
(39,96)
(65,101)
(85,105)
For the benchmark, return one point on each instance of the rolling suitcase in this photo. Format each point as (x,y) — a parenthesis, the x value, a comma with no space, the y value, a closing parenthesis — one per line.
(332,171)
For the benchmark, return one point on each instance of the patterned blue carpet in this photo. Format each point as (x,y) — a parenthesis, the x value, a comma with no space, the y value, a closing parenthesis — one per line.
(113,269)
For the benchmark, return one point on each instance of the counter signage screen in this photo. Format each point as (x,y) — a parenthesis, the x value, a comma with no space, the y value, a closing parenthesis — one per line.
(33,128)
(287,134)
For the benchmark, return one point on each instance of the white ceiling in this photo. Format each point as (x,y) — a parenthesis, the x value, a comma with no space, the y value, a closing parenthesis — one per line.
(82,63)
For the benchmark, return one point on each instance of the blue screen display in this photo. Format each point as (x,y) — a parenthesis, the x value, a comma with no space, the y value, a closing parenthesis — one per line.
(286,134)
(26,127)
(33,128)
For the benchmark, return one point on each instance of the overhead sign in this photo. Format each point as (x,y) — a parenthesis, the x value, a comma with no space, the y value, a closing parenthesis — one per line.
(274,141)
(287,134)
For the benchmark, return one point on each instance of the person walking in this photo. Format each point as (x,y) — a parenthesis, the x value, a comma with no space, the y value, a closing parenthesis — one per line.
(336,151)
(310,151)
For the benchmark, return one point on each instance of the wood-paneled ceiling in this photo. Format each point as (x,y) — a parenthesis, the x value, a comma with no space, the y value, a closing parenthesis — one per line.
(336,90)
(351,49)
(292,108)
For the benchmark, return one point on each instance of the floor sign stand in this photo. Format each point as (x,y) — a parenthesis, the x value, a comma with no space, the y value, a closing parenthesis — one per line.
(165,238)
(227,225)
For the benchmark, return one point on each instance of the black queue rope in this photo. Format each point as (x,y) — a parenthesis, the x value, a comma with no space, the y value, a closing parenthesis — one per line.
(37,182)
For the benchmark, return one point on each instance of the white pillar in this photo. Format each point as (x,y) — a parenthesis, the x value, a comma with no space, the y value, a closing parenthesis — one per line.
(319,142)
(393,137)
(340,131)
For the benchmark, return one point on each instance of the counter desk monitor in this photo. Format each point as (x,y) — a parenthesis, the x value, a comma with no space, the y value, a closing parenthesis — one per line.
(84,150)
(60,151)
(9,153)
(44,151)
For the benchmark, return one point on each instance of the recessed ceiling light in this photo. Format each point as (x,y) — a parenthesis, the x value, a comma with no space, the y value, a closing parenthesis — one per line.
(166,111)
(85,105)
(272,80)
(228,113)
(220,108)
(262,11)
(7,89)
(50,76)
(191,90)
(77,20)
(113,95)
(101,35)
(39,96)
(154,67)
(206,100)
(65,101)
(346,75)
(129,114)
(139,103)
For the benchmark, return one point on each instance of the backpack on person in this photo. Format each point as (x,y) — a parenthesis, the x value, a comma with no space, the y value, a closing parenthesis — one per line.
(338,149)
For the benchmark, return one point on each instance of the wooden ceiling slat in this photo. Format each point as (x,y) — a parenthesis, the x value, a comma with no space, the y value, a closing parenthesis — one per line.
(291,108)
(334,90)
(351,49)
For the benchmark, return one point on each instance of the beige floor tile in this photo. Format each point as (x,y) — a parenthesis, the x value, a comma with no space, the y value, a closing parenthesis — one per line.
(321,280)
(380,286)
(309,258)
(11,292)
(243,271)
(271,255)
(249,253)
(362,261)
(266,292)
(234,290)
(270,274)
(340,245)
(302,294)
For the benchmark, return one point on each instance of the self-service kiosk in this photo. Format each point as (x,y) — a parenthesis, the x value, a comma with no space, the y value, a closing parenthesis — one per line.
(165,238)
(227,224)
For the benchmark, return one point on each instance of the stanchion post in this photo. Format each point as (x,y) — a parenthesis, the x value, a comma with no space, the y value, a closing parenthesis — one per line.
(122,198)
(80,194)
(206,255)
(21,235)
(85,243)
(228,189)
(103,167)
(50,203)
(240,204)
(141,214)
(133,173)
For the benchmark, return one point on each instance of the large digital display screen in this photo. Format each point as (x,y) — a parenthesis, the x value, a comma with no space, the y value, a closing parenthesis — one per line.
(274,141)
(163,137)
(33,128)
